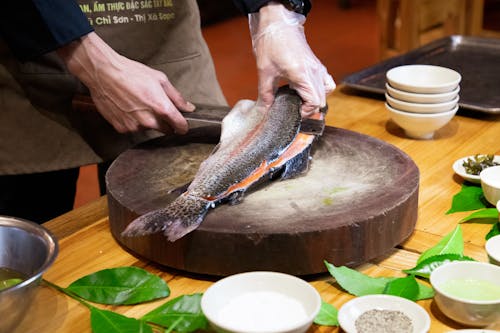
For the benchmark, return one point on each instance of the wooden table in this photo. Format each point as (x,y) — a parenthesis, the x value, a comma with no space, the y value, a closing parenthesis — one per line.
(86,244)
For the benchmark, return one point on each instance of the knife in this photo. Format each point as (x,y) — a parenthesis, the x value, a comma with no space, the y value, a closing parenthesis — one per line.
(211,114)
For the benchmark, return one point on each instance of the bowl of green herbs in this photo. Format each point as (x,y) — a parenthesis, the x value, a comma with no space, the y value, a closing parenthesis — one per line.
(27,250)
(470,167)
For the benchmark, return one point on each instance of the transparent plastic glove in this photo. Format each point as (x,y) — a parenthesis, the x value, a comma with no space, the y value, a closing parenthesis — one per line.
(129,95)
(282,52)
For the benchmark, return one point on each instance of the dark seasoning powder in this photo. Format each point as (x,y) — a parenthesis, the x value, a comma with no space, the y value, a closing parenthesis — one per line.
(383,321)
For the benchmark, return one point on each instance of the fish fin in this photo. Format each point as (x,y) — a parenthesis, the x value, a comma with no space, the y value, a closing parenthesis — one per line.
(179,190)
(180,217)
(297,165)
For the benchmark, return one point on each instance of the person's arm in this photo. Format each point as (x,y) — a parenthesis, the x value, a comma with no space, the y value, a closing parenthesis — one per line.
(129,95)
(252,6)
(282,53)
(32,28)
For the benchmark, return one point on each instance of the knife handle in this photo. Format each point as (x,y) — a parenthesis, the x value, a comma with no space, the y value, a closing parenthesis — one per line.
(203,112)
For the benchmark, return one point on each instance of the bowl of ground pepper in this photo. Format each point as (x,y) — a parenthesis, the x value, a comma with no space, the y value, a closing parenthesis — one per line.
(383,313)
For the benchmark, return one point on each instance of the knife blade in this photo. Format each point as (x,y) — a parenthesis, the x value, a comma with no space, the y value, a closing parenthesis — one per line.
(212,114)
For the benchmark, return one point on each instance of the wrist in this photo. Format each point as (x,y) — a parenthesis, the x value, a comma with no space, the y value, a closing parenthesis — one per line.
(272,17)
(86,56)
(298,6)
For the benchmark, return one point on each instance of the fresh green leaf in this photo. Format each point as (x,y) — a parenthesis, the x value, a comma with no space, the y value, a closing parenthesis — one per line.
(451,243)
(357,283)
(495,230)
(327,315)
(487,215)
(104,321)
(424,292)
(469,198)
(122,285)
(406,287)
(425,267)
(4,284)
(184,312)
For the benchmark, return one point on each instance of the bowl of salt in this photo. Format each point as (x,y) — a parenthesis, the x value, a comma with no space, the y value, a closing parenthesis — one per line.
(261,301)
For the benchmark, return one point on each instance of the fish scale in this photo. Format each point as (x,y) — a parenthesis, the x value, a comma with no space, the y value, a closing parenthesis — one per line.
(254,143)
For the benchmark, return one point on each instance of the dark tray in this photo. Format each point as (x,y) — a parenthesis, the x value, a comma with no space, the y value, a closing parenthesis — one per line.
(477,59)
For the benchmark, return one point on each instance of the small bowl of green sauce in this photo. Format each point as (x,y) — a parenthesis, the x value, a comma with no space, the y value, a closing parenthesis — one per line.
(468,292)
(27,250)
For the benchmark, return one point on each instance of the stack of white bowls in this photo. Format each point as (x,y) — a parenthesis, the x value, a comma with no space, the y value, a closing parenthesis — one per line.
(422,98)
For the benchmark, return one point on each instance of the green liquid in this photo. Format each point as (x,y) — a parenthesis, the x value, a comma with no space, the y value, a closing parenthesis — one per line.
(472,289)
(9,278)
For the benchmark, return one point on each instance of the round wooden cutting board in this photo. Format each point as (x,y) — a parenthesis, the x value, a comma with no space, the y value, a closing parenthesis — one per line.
(358,200)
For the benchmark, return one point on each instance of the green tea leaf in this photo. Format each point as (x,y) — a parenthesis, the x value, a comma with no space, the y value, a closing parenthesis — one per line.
(357,283)
(487,215)
(424,292)
(451,243)
(327,315)
(406,287)
(184,312)
(469,198)
(104,321)
(122,285)
(495,230)
(425,267)
(4,284)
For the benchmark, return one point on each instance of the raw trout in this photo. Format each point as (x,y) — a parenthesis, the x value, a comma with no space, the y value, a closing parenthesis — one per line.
(254,144)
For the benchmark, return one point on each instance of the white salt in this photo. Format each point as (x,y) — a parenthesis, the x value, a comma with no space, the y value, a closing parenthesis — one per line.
(262,311)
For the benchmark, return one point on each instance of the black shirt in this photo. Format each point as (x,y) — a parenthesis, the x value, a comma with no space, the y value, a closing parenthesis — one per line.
(34,27)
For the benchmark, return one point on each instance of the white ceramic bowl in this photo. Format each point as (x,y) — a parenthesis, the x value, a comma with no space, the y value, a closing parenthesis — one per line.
(256,302)
(423,78)
(493,248)
(465,311)
(421,107)
(421,97)
(460,170)
(354,308)
(420,125)
(490,183)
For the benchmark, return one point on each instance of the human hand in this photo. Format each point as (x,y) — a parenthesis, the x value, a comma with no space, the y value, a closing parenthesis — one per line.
(129,95)
(282,52)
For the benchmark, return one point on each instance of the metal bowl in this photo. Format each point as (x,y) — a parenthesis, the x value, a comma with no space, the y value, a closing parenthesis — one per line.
(27,248)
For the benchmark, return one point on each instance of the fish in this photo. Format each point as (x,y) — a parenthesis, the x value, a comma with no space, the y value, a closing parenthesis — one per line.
(256,144)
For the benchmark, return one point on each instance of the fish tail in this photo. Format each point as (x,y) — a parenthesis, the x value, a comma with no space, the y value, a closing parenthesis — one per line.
(180,217)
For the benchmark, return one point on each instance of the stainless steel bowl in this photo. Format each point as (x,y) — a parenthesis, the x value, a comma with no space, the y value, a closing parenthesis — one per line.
(29,249)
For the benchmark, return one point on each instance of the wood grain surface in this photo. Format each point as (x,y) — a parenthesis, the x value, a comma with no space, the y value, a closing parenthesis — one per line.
(86,243)
(358,200)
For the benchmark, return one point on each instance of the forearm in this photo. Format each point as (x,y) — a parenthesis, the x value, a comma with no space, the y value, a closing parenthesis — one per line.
(86,57)
(271,17)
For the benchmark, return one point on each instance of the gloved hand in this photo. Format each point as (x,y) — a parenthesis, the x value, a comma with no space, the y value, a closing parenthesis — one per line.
(129,95)
(282,52)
